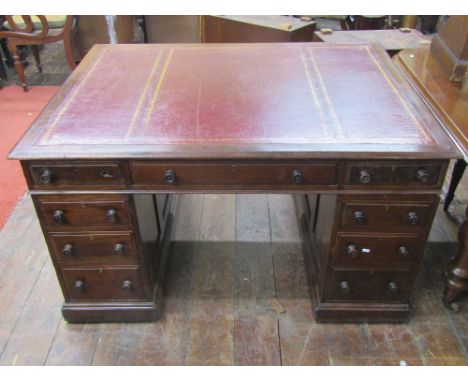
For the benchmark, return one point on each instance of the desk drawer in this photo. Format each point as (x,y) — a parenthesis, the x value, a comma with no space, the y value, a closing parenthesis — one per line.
(63,175)
(233,174)
(355,286)
(400,216)
(85,212)
(103,284)
(377,251)
(93,247)
(422,174)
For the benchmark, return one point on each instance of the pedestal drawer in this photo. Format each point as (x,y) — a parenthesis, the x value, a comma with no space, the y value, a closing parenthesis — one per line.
(390,215)
(93,247)
(370,286)
(106,283)
(377,251)
(84,212)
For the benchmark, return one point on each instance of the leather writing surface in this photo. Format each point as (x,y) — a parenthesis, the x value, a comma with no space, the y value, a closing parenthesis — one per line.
(249,94)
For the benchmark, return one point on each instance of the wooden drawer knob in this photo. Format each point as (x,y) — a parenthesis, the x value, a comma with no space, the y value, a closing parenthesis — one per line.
(422,176)
(58,216)
(118,249)
(111,216)
(344,287)
(359,217)
(127,286)
(46,176)
(365,177)
(297,177)
(79,286)
(412,218)
(392,287)
(67,250)
(403,251)
(170,177)
(352,251)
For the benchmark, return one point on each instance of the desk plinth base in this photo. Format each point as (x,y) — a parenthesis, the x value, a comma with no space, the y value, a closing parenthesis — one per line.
(131,312)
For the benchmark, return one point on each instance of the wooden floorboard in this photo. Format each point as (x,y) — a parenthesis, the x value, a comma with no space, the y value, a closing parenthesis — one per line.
(236,294)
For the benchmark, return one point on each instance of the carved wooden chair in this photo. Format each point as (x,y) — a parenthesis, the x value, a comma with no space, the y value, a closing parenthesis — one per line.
(39,30)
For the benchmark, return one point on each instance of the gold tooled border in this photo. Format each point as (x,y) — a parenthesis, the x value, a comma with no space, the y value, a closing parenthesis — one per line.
(53,125)
(427,137)
(144,93)
(314,96)
(323,87)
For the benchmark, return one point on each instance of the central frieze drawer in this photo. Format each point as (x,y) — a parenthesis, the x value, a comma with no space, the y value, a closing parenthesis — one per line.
(93,247)
(84,212)
(223,173)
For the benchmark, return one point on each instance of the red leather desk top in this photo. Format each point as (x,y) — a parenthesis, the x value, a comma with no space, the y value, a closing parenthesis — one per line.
(232,100)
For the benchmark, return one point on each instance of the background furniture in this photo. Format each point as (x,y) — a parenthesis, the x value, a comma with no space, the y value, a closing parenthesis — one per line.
(37,31)
(172,29)
(222,29)
(431,76)
(100,29)
(236,122)
(393,40)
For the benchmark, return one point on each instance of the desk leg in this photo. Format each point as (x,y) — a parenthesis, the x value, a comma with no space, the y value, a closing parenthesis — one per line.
(457,174)
(457,275)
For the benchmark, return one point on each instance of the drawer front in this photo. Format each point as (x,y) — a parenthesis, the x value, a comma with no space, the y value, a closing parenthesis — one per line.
(361,286)
(389,216)
(49,175)
(85,213)
(121,284)
(391,173)
(93,247)
(240,174)
(376,251)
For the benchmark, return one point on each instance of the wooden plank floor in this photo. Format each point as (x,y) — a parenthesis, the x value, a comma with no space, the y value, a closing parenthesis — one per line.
(236,294)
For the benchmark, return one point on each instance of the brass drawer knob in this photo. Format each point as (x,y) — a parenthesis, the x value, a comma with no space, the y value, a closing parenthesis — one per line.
(412,218)
(111,216)
(403,251)
(344,287)
(392,287)
(118,249)
(352,251)
(170,177)
(359,217)
(365,177)
(45,176)
(297,177)
(422,176)
(127,286)
(79,286)
(67,250)
(58,216)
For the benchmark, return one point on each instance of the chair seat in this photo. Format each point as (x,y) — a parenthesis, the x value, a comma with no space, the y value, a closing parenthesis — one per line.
(54,21)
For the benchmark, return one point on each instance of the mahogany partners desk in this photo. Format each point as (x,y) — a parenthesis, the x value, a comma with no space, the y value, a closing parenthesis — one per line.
(106,158)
